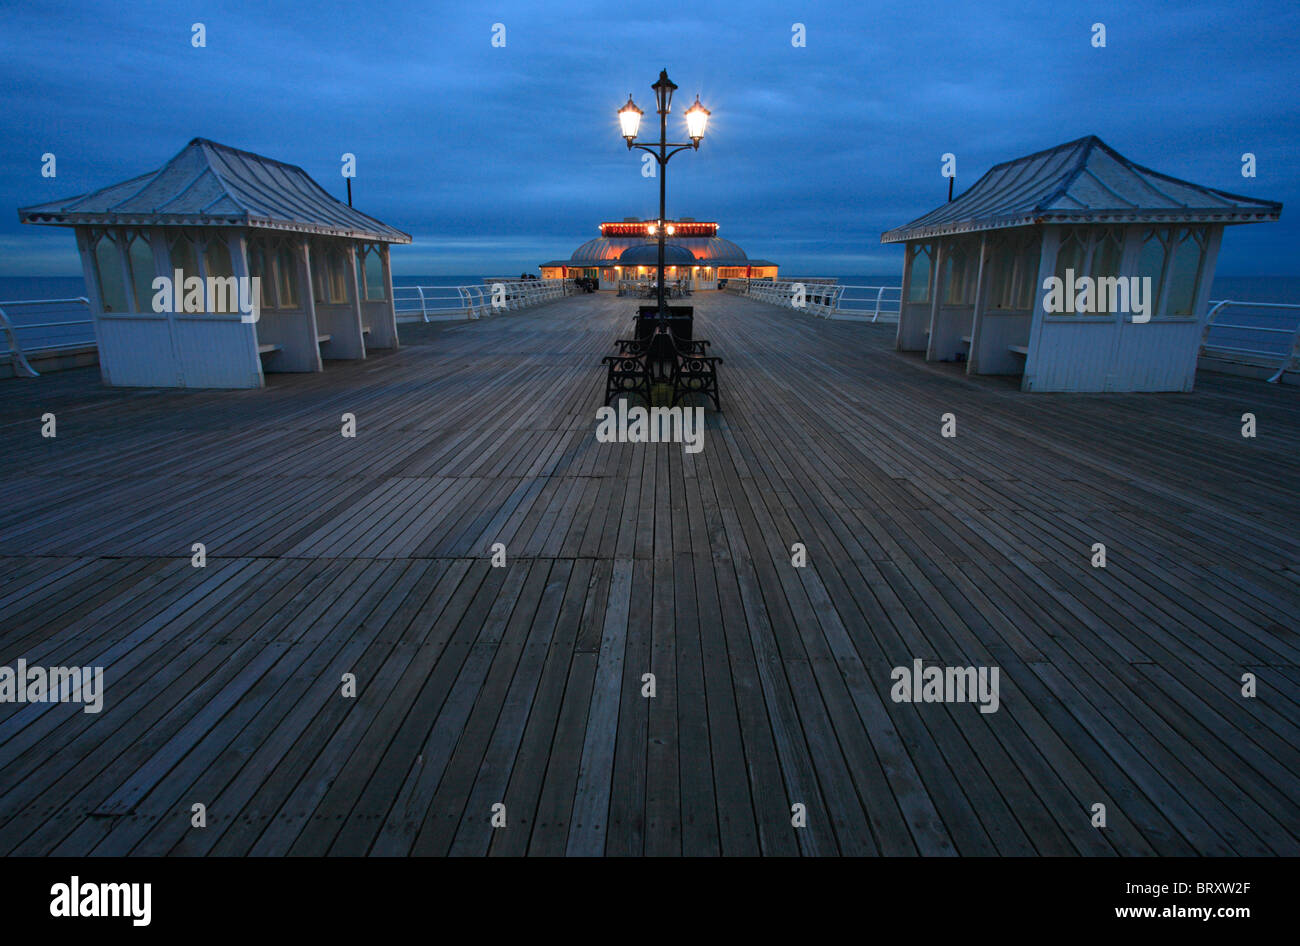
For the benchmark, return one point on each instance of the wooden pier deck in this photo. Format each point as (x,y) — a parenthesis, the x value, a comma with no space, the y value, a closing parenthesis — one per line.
(522,685)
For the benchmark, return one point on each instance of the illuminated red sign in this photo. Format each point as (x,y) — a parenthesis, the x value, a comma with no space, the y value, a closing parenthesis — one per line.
(690,228)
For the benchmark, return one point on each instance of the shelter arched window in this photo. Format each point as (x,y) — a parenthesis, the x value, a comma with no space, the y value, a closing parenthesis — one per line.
(217,265)
(918,289)
(329,273)
(184,257)
(959,274)
(338,275)
(374,275)
(1071,255)
(1186,259)
(1151,263)
(1012,269)
(143,269)
(109,272)
(319,275)
(1107,249)
(259,267)
(286,276)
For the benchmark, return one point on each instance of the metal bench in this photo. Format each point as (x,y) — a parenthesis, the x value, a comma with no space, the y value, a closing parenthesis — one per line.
(628,371)
(695,372)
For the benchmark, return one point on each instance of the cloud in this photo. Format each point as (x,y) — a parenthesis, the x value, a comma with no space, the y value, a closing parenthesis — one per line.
(500,158)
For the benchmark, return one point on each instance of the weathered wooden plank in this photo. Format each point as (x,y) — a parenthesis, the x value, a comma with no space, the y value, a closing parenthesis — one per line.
(522,684)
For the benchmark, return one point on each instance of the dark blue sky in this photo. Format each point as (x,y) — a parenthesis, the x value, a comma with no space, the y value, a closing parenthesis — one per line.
(496,159)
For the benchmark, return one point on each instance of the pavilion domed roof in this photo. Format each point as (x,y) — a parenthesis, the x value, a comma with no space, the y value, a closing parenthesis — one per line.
(647,254)
(714,248)
(602,249)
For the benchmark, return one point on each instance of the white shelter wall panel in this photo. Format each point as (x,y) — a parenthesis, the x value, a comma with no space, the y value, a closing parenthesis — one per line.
(1072,356)
(217,353)
(339,321)
(136,351)
(1104,356)
(289,329)
(1156,356)
(379,317)
(952,323)
(913,321)
(999,330)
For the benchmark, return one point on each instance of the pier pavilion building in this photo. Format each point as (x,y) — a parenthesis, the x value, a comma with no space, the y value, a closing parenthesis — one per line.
(1040,270)
(220,214)
(629,249)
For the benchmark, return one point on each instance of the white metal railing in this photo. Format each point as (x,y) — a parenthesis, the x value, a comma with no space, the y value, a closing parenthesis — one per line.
(825,297)
(882,303)
(436,303)
(53,335)
(1269,345)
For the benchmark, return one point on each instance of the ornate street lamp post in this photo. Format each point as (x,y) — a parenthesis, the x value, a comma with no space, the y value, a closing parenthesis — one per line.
(629,118)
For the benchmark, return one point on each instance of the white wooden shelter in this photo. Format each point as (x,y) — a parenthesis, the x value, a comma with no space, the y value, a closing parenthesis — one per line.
(976,271)
(215,211)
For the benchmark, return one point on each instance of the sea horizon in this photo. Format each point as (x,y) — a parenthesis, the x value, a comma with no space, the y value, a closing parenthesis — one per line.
(1278,288)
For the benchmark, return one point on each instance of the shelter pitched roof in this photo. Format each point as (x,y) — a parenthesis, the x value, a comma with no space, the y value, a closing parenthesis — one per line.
(1083,181)
(211,185)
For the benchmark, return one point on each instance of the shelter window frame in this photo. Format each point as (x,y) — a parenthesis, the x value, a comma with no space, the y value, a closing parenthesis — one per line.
(205,254)
(272,259)
(1011,282)
(1085,250)
(217,263)
(920,293)
(145,268)
(183,254)
(1072,254)
(1158,255)
(329,274)
(107,259)
(260,265)
(287,290)
(1180,291)
(370,273)
(959,274)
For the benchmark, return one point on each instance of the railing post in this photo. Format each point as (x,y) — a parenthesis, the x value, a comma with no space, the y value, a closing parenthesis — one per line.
(424,312)
(1205,332)
(1292,357)
(879,293)
(21,366)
